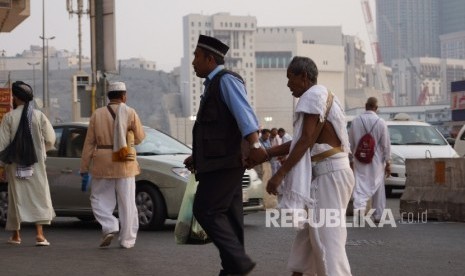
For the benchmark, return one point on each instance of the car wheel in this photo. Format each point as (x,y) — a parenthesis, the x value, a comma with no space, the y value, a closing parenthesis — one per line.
(150,206)
(3,203)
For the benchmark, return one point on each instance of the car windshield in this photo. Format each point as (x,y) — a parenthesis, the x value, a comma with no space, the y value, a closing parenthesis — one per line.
(158,143)
(415,135)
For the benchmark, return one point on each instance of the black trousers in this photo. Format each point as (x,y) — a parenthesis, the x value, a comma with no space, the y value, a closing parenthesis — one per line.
(218,208)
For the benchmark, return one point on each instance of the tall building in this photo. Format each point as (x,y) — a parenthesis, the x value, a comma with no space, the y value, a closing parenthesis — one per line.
(275,47)
(408,29)
(261,56)
(452,16)
(425,81)
(452,29)
(236,31)
(354,48)
(453,45)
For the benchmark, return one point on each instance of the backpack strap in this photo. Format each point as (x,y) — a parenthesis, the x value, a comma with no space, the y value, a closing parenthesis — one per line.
(376,142)
(366,131)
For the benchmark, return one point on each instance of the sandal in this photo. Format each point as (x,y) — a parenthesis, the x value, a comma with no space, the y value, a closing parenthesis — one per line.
(44,242)
(15,242)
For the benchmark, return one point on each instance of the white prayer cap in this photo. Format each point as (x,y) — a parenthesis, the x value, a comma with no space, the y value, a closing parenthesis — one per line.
(117,86)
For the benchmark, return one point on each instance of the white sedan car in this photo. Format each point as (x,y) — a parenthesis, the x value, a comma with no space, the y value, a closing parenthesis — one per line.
(413,139)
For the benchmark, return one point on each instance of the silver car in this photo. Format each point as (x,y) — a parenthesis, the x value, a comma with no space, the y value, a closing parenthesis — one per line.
(159,188)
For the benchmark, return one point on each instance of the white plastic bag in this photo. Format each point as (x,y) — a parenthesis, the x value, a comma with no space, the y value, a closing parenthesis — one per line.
(188,230)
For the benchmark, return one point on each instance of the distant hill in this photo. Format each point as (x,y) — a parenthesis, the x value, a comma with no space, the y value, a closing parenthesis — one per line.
(147,91)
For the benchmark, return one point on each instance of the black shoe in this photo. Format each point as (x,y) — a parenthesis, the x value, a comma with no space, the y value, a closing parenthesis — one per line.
(252,266)
(245,272)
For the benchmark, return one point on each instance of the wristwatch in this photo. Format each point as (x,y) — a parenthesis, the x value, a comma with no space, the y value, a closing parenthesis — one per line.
(255,145)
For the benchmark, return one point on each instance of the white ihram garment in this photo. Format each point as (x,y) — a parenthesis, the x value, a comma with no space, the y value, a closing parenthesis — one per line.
(369,178)
(319,250)
(103,199)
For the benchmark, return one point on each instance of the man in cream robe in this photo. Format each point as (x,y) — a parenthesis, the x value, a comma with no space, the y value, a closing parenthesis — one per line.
(369,178)
(113,181)
(28,197)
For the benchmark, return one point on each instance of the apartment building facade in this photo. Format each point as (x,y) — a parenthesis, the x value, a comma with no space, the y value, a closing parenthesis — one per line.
(236,31)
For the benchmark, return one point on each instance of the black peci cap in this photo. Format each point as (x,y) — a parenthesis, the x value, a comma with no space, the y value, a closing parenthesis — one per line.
(212,44)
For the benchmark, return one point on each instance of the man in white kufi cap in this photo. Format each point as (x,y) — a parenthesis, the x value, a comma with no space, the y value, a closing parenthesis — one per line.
(105,157)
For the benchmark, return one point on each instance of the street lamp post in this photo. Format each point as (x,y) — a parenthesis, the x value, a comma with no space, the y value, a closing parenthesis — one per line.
(34,74)
(45,72)
(45,62)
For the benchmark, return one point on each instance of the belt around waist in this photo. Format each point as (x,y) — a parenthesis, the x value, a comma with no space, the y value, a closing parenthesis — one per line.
(104,146)
(329,166)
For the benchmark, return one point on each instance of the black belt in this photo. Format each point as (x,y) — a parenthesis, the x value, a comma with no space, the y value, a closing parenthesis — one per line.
(104,146)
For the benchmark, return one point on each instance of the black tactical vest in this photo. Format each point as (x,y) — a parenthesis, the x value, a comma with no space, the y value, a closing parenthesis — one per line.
(216,136)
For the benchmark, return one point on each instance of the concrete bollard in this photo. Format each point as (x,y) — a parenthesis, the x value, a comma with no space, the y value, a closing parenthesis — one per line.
(434,189)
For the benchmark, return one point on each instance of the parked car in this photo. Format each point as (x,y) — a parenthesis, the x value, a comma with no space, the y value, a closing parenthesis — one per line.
(459,144)
(159,188)
(413,139)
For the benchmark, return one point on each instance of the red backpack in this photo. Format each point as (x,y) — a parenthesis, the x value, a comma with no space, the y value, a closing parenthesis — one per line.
(366,146)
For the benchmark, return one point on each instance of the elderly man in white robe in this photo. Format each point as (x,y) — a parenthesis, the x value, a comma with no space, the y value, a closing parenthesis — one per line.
(28,190)
(317,174)
(369,178)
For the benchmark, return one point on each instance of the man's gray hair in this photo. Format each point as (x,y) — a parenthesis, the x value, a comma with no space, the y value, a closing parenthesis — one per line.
(300,65)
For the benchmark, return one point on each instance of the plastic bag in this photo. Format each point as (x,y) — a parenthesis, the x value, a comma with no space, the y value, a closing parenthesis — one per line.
(188,230)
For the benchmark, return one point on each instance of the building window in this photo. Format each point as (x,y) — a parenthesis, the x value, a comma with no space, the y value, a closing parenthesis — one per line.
(272,59)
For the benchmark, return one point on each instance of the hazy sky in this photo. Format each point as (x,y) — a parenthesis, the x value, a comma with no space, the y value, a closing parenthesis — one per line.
(152,29)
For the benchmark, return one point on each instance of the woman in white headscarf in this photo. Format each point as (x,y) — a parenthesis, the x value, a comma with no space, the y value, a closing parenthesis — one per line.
(25,135)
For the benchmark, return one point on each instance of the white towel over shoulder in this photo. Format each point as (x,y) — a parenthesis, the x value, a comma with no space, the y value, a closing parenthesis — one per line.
(120,128)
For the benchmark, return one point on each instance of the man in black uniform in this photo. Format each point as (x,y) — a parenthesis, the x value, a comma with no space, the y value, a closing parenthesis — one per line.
(224,121)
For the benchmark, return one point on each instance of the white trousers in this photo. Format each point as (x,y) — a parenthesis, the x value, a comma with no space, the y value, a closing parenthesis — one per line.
(321,250)
(105,193)
(369,186)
